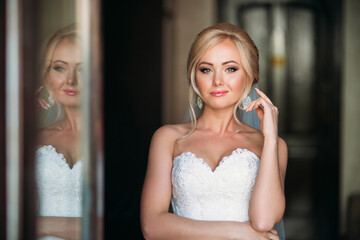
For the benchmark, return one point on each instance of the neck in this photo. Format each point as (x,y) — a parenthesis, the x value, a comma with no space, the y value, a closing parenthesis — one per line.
(71,120)
(218,121)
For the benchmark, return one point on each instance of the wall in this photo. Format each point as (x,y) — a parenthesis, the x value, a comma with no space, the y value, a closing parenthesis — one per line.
(350,130)
(55,14)
(183,20)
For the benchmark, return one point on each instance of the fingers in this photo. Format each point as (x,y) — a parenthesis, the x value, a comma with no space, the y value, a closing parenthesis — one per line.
(262,94)
(39,90)
(273,235)
(262,102)
(258,103)
(43,104)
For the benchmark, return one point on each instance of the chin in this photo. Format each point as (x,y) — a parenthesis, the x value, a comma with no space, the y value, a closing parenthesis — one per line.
(71,105)
(221,105)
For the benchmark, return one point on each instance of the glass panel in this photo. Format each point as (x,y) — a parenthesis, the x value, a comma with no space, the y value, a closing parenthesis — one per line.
(88,16)
(59,159)
(12,121)
(2,123)
(54,159)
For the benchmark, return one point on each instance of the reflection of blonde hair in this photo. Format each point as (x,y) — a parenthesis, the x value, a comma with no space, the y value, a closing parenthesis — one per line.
(207,39)
(70,33)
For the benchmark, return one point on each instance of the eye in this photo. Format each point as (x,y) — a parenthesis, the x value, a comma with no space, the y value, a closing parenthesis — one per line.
(205,70)
(59,68)
(231,69)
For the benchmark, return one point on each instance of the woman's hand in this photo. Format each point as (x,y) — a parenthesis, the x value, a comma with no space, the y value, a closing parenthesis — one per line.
(268,114)
(267,202)
(40,102)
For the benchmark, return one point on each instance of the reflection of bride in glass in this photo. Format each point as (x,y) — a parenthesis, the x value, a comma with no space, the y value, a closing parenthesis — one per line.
(59,168)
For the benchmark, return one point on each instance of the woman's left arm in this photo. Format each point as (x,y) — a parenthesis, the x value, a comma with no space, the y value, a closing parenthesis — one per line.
(267,203)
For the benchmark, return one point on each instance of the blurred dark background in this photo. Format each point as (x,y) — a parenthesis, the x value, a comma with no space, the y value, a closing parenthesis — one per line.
(132,92)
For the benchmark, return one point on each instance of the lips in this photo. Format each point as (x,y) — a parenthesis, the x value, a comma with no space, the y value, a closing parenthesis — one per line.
(219,93)
(71,92)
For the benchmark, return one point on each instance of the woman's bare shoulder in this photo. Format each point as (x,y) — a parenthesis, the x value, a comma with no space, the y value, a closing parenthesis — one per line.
(165,137)
(48,134)
(172,131)
(251,133)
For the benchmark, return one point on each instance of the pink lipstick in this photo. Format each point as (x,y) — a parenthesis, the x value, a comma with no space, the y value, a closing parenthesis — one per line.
(71,92)
(219,93)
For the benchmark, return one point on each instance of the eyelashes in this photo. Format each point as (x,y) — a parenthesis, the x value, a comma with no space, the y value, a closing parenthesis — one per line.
(59,68)
(205,70)
(231,69)
(64,69)
(208,70)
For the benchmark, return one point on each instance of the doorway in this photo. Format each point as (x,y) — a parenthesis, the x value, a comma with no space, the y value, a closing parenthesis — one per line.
(299,72)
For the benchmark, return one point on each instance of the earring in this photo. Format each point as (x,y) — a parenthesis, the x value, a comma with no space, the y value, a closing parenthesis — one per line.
(246,101)
(199,102)
(51,100)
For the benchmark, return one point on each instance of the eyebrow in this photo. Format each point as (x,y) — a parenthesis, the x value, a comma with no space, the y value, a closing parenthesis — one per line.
(61,61)
(224,63)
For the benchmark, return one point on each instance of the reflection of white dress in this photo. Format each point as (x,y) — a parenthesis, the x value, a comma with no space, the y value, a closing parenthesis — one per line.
(59,186)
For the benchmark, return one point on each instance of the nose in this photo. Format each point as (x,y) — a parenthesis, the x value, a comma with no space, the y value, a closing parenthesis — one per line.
(218,79)
(72,78)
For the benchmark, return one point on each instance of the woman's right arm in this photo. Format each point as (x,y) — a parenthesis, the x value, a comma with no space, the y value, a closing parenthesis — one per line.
(61,227)
(158,223)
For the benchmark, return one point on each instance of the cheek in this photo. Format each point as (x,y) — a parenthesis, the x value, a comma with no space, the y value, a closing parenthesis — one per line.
(79,79)
(201,82)
(238,81)
(55,79)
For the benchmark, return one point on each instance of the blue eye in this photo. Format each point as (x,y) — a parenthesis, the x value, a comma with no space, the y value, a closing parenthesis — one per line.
(231,69)
(205,70)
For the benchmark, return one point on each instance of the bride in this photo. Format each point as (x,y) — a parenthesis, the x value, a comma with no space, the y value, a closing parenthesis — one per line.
(59,170)
(223,178)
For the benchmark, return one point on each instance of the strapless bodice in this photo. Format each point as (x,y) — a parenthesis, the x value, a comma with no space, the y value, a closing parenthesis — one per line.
(200,193)
(59,186)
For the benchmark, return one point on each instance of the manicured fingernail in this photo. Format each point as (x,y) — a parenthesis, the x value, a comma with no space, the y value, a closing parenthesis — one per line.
(257,89)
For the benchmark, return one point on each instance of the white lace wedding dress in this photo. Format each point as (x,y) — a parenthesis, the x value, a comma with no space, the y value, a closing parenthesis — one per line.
(200,193)
(59,186)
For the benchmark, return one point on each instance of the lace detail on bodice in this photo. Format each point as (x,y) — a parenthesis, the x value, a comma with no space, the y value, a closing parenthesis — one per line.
(223,194)
(59,186)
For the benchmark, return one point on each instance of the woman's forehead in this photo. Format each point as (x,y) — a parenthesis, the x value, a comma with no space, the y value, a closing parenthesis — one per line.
(222,52)
(67,51)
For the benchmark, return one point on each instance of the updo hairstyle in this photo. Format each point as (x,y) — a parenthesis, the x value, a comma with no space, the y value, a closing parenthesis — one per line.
(208,38)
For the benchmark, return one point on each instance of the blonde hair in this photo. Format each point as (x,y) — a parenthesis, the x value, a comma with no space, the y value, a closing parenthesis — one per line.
(208,38)
(70,33)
